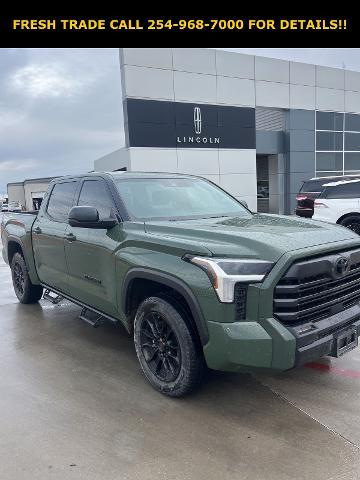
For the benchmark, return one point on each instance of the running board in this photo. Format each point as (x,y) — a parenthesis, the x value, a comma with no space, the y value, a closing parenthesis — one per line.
(51,298)
(90,317)
(60,295)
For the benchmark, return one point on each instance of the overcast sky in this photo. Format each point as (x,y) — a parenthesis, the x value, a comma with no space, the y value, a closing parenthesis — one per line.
(61,108)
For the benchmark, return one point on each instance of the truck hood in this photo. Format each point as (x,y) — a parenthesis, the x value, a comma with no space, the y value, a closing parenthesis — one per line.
(259,236)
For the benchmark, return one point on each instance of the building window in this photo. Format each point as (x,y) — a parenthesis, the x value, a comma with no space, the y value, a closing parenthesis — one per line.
(352,142)
(329,121)
(329,161)
(329,141)
(337,145)
(352,161)
(352,122)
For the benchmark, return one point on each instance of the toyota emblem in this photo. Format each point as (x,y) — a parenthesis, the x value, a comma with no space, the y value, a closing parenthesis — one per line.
(342,266)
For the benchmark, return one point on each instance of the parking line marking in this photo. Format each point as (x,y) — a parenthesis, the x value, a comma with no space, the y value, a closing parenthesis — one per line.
(322,367)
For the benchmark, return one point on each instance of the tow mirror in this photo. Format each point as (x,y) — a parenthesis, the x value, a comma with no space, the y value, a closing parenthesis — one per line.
(88,217)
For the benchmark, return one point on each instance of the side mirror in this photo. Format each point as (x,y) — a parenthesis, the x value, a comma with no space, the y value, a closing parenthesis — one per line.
(244,204)
(88,217)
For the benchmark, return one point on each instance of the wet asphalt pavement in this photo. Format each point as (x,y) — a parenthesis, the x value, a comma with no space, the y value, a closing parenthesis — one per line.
(74,405)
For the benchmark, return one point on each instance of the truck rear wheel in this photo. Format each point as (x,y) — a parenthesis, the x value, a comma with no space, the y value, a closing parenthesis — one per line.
(166,347)
(25,291)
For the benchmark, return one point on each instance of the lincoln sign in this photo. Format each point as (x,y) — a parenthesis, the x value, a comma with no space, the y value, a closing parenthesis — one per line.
(197,130)
(198,140)
(164,124)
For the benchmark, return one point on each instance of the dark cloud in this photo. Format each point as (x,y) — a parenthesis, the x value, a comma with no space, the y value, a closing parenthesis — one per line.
(59,110)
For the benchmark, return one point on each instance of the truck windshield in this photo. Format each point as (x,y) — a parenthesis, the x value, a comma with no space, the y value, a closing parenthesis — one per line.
(176,198)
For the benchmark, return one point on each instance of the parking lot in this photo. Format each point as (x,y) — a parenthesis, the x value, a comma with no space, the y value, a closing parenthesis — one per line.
(74,404)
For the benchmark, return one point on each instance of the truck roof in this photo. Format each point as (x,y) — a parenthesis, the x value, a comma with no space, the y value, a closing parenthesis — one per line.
(124,175)
(147,174)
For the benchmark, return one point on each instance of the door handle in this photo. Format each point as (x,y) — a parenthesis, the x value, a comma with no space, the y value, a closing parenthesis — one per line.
(37,230)
(70,237)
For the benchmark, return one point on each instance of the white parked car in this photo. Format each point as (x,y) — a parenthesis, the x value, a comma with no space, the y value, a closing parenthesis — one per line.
(339,203)
(14,206)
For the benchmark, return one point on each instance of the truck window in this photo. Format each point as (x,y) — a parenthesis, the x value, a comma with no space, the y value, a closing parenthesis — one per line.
(61,201)
(94,193)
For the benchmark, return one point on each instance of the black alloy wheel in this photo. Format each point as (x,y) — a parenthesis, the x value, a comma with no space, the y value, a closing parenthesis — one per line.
(167,346)
(25,290)
(160,347)
(19,279)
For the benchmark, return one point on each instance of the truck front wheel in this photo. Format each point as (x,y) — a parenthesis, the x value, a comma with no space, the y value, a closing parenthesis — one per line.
(166,347)
(25,291)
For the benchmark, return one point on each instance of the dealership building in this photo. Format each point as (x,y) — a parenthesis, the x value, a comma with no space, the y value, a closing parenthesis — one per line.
(29,193)
(256,126)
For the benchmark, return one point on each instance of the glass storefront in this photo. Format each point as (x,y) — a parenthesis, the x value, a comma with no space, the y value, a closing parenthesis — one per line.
(337,143)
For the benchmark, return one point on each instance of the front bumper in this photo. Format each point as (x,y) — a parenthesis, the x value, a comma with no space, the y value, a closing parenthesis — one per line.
(272,346)
(249,345)
(263,341)
(316,339)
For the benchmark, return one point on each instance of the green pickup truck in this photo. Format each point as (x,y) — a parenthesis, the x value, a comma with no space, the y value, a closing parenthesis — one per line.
(196,277)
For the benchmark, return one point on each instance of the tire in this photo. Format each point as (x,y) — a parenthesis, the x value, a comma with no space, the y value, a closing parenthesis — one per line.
(352,222)
(25,291)
(167,348)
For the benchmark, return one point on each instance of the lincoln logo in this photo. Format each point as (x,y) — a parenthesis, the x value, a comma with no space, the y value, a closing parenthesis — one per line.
(197,120)
(198,138)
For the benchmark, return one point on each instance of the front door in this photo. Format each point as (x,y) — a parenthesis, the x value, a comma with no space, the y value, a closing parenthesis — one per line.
(90,252)
(48,236)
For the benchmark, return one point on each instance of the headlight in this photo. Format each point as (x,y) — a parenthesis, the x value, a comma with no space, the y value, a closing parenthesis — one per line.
(225,272)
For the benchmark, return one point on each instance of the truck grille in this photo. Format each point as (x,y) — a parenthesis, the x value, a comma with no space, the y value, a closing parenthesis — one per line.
(317,288)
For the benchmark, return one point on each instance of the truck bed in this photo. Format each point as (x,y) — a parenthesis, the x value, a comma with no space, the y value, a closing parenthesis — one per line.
(23,219)
(17,226)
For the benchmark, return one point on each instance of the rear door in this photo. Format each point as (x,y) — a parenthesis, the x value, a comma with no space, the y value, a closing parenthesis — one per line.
(90,252)
(48,235)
